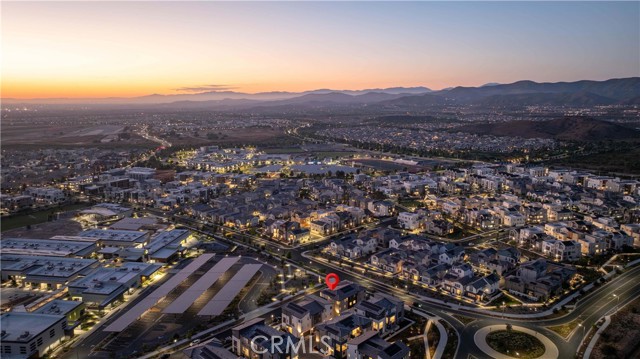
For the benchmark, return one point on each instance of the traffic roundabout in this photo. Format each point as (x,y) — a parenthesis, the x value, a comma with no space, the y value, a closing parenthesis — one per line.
(501,342)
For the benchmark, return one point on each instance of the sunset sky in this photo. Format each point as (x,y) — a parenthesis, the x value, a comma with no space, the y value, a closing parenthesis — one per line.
(103,49)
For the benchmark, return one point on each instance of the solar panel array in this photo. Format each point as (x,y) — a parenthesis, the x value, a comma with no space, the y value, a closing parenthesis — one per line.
(149,301)
(225,296)
(184,301)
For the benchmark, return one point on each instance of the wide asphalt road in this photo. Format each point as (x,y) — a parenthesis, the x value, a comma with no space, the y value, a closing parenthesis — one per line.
(588,311)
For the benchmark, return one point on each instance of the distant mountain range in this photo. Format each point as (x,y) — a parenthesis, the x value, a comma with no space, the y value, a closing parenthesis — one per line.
(585,93)
(227,95)
(565,129)
(529,93)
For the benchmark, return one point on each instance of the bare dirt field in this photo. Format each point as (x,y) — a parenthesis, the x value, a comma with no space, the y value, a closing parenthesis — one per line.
(621,339)
(100,130)
(17,134)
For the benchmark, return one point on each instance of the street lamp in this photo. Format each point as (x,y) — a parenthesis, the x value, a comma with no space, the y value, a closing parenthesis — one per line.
(617,300)
(583,328)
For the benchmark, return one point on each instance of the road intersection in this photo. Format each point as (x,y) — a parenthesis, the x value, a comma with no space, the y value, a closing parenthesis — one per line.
(588,309)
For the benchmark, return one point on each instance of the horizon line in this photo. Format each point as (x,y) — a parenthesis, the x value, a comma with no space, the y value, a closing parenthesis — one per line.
(302,92)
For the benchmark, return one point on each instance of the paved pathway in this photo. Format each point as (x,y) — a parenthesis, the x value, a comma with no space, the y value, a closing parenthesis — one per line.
(442,343)
(594,340)
(480,338)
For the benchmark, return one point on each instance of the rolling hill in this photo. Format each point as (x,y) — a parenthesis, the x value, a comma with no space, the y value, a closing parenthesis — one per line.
(615,89)
(566,129)
(585,93)
(581,99)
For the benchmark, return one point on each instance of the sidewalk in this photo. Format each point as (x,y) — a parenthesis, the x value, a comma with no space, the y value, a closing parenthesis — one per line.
(442,343)
(426,339)
(594,340)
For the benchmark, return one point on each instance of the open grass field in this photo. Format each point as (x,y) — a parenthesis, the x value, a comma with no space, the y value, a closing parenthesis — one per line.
(284,150)
(23,220)
(237,137)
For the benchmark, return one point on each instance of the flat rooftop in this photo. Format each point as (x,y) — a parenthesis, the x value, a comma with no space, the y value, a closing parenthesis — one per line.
(102,281)
(16,324)
(45,247)
(170,239)
(115,235)
(61,267)
(58,307)
(75,238)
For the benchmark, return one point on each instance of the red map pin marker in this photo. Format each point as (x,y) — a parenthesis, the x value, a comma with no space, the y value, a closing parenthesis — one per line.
(332,280)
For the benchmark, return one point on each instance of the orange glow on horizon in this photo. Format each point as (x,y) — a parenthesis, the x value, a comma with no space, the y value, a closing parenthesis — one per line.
(90,89)
(71,90)
(101,49)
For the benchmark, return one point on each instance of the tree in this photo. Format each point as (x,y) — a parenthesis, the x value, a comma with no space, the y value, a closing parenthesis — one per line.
(378,195)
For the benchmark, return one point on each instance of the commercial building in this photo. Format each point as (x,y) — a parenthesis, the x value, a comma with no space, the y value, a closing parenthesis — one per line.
(106,285)
(105,212)
(166,246)
(26,335)
(46,247)
(73,310)
(43,272)
(117,238)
